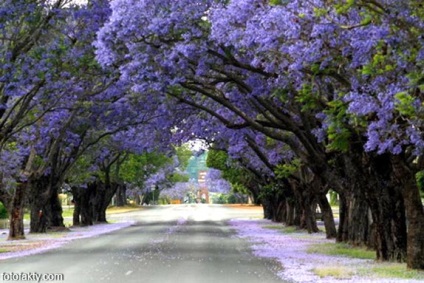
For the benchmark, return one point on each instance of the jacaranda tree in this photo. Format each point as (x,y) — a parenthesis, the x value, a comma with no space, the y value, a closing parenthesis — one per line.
(338,83)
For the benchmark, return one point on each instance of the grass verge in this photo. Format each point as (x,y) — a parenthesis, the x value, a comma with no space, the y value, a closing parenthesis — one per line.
(373,270)
(338,272)
(69,211)
(342,250)
(284,229)
(127,208)
(392,270)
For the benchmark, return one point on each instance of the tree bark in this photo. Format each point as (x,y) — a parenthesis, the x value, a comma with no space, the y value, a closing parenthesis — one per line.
(16,230)
(267,208)
(46,209)
(101,197)
(291,214)
(121,196)
(327,216)
(354,223)
(405,177)
(305,198)
(387,209)
(84,203)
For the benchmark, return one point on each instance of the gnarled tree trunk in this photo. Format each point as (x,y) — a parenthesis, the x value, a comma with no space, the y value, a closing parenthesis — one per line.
(46,209)
(16,230)
(354,223)
(405,178)
(387,209)
(83,214)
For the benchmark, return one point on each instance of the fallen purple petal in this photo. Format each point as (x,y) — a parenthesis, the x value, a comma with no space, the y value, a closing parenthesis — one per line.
(290,250)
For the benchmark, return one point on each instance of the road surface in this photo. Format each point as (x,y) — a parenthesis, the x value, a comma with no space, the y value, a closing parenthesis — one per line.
(181,243)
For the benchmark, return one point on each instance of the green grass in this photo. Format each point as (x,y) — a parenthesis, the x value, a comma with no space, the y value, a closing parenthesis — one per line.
(394,270)
(2,250)
(66,213)
(338,272)
(69,211)
(342,250)
(284,229)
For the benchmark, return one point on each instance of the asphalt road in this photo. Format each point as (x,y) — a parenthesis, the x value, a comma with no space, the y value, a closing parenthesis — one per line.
(184,243)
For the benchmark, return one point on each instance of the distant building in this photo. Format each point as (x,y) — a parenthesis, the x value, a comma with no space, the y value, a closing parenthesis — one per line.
(197,170)
(203,193)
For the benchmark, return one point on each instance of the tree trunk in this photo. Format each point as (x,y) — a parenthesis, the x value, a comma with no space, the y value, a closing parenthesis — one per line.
(290,213)
(121,196)
(308,219)
(46,209)
(327,216)
(267,208)
(101,198)
(85,204)
(38,200)
(56,218)
(305,199)
(76,214)
(76,200)
(388,214)
(387,209)
(405,178)
(354,223)
(16,231)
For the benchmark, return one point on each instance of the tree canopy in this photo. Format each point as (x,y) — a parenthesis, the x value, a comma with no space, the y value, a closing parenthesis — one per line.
(295,98)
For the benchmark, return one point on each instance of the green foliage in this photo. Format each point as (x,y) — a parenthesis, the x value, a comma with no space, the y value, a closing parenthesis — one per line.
(183,153)
(404,104)
(152,197)
(176,178)
(270,191)
(343,7)
(280,93)
(285,170)
(220,199)
(333,198)
(320,12)
(217,159)
(237,176)
(278,2)
(337,131)
(3,211)
(275,2)
(239,188)
(306,96)
(338,137)
(80,173)
(225,199)
(136,168)
(164,200)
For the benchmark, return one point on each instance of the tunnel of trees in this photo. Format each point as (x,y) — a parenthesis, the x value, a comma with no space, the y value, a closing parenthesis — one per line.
(294,99)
